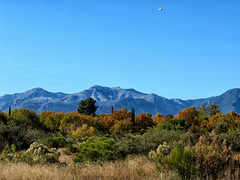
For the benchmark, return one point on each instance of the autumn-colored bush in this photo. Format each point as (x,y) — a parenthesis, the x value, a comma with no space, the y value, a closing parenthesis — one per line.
(117,115)
(121,127)
(51,120)
(84,131)
(144,121)
(26,117)
(213,120)
(158,119)
(190,116)
(70,121)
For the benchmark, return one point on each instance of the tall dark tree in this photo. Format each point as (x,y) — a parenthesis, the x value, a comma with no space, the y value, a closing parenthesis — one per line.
(87,107)
(133,116)
(213,109)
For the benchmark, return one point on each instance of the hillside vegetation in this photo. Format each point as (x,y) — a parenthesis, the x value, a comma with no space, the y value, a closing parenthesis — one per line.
(194,144)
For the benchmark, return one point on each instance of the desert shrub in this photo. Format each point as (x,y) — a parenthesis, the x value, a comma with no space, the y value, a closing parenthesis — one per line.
(213,157)
(221,126)
(95,149)
(36,154)
(71,148)
(72,143)
(162,150)
(143,144)
(8,152)
(210,158)
(42,154)
(180,159)
(233,139)
(191,137)
(3,142)
(55,142)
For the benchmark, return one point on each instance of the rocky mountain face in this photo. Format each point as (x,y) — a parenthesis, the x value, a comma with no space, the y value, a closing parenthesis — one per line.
(40,100)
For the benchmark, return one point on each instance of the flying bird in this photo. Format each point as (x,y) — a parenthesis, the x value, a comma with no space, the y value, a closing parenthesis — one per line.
(160,9)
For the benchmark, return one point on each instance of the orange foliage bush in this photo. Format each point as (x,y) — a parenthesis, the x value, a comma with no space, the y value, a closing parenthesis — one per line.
(84,131)
(189,115)
(159,119)
(117,115)
(213,120)
(144,120)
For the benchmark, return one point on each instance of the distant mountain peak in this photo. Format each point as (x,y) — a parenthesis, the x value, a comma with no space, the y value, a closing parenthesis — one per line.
(116,97)
(37,89)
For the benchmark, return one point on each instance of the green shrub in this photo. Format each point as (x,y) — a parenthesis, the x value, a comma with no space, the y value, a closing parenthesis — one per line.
(233,139)
(3,136)
(26,117)
(72,148)
(3,117)
(180,159)
(143,144)
(19,135)
(8,152)
(95,149)
(55,142)
(177,124)
(221,126)
(192,136)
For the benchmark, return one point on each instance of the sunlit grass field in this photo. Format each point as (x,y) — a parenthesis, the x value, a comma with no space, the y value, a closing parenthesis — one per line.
(131,168)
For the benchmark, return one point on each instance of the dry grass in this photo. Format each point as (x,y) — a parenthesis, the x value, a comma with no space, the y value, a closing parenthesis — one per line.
(134,168)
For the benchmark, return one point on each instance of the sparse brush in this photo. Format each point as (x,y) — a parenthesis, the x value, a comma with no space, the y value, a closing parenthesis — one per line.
(214,158)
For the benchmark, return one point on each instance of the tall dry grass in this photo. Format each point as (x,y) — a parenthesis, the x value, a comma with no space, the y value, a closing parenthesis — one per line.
(132,168)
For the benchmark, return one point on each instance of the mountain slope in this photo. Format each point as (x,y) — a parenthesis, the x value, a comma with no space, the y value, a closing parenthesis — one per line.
(42,100)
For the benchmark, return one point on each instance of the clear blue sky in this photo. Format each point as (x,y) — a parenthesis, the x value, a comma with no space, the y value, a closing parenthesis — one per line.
(191,49)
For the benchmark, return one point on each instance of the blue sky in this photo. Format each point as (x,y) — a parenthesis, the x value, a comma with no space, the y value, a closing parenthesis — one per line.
(189,50)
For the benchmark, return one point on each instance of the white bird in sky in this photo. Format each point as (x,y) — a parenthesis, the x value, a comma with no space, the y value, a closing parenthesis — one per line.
(160,9)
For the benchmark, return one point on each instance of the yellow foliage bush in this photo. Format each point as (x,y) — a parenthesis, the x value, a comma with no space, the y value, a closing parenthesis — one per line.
(84,131)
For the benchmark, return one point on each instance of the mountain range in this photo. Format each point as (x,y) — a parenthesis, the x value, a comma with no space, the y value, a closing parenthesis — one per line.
(40,100)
